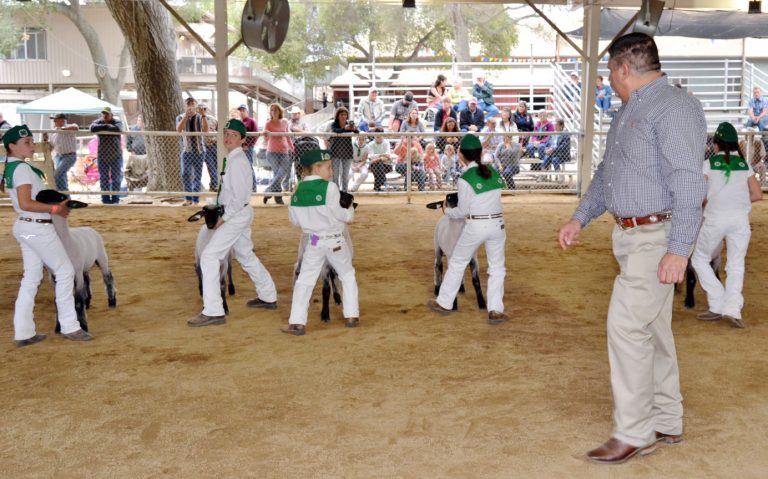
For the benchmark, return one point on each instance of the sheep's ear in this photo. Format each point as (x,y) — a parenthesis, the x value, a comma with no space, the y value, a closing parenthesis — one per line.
(435,205)
(196,216)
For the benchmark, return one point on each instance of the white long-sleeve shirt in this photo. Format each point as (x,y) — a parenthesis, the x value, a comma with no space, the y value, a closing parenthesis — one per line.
(328,218)
(236,183)
(471,203)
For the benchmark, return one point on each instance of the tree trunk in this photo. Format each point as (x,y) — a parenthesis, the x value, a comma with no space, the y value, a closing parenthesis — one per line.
(461,34)
(149,34)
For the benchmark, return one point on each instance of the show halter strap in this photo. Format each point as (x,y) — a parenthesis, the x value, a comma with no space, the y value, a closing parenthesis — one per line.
(221,179)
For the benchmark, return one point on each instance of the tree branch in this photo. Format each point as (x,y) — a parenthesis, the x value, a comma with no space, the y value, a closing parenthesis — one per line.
(422,41)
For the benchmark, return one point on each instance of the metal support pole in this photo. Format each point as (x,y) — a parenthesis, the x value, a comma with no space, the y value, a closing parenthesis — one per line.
(222,75)
(589,74)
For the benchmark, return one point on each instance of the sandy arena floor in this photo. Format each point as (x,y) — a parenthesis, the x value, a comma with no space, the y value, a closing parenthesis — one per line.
(409,394)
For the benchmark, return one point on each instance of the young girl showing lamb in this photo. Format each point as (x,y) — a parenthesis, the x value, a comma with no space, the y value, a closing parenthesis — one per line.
(432,167)
(233,232)
(40,245)
(731,190)
(316,210)
(480,203)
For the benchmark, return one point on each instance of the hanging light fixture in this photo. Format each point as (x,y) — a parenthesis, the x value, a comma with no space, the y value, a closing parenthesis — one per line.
(755,6)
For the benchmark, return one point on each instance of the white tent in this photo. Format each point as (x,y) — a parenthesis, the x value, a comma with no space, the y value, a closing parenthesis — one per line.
(71,101)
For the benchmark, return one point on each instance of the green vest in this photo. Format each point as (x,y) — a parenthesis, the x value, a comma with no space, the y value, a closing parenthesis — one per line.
(717,162)
(480,184)
(10,168)
(310,193)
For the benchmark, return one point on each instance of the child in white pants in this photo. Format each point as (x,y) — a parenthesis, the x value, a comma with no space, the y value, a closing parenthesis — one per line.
(731,190)
(480,189)
(233,231)
(40,245)
(316,210)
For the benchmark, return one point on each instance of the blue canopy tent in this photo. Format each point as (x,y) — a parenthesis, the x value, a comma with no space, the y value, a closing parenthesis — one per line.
(70,101)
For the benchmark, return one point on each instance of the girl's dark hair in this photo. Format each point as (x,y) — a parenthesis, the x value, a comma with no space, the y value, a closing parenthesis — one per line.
(726,147)
(445,126)
(477,157)
(339,111)
(440,78)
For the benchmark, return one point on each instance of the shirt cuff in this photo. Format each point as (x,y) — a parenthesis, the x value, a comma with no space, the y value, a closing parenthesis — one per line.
(680,249)
(581,217)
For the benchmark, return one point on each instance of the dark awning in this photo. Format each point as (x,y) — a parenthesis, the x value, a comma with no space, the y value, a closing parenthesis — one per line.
(687,23)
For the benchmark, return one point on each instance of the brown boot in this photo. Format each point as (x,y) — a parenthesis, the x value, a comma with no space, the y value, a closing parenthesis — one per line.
(352,322)
(205,320)
(294,329)
(435,306)
(20,343)
(495,317)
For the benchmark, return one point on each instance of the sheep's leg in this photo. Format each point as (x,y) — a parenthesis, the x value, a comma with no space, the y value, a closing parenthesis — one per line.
(231,283)
(87,289)
(438,270)
(334,285)
(223,289)
(325,314)
(474,267)
(690,285)
(109,284)
(80,310)
(199,273)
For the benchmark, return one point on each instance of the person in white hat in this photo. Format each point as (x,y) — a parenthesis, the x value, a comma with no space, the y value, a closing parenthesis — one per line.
(297,125)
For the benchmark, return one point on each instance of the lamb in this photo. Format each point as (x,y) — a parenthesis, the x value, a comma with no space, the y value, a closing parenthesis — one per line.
(225,266)
(447,232)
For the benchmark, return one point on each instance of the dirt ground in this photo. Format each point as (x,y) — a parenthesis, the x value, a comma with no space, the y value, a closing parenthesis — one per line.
(408,394)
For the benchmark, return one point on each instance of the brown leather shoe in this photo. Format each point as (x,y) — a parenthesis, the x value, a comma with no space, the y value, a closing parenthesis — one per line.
(294,329)
(709,316)
(258,303)
(352,322)
(205,320)
(79,335)
(735,322)
(434,306)
(495,317)
(20,343)
(617,452)
(668,438)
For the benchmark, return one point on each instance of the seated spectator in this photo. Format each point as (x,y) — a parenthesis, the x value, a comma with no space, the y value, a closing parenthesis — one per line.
(450,126)
(435,94)
(523,121)
(473,118)
(137,166)
(376,155)
(443,114)
(559,149)
(539,142)
(413,123)
(400,109)
(483,91)
(432,168)
(459,96)
(758,111)
(451,165)
(370,109)
(508,160)
(603,95)
(506,123)
(490,140)
(410,148)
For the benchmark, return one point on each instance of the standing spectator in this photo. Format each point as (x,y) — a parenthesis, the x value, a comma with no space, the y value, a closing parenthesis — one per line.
(370,109)
(297,124)
(432,168)
(539,142)
(572,89)
(603,95)
(399,111)
(483,91)
(211,149)
(523,121)
(435,94)
(473,118)
(443,114)
(341,147)
(450,126)
(413,124)
(459,96)
(758,110)
(409,147)
(64,143)
(558,150)
(325,100)
(250,141)
(279,149)
(508,160)
(137,166)
(110,154)
(193,120)
(450,160)
(651,181)
(4,126)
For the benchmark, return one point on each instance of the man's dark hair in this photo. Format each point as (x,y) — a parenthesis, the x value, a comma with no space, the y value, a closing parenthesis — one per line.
(561,123)
(638,50)
(189,101)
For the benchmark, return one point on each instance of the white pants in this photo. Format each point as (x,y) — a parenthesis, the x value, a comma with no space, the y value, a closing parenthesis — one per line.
(41,246)
(337,253)
(361,177)
(477,232)
(233,233)
(641,349)
(736,232)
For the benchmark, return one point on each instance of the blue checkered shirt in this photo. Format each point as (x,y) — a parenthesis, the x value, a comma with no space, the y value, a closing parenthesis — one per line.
(653,163)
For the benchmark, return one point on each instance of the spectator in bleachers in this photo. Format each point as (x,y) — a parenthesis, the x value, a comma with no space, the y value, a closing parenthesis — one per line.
(435,94)
(473,118)
(559,149)
(758,111)
(64,143)
(411,147)
(443,114)
(250,141)
(490,140)
(506,123)
(483,91)
(450,126)
(523,121)
(211,149)
(370,109)
(573,88)
(508,160)
(400,109)
(341,147)
(110,154)
(279,150)
(459,96)
(377,154)
(413,123)
(297,124)
(191,121)
(603,95)
(539,142)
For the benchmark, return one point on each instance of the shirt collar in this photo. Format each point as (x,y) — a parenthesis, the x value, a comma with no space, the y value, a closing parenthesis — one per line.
(471,165)
(651,87)
(312,177)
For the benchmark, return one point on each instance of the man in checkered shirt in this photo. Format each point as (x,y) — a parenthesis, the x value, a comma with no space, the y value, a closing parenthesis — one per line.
(651,181)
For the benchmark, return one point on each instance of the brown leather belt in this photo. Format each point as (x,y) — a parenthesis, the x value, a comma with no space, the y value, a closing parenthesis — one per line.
(627,223)
(35,220)
(485,217)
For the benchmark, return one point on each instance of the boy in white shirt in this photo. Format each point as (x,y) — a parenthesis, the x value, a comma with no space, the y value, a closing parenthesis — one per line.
(233,231)
(316,210)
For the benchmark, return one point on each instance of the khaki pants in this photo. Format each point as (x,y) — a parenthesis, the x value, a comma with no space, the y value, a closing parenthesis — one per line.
(641,350)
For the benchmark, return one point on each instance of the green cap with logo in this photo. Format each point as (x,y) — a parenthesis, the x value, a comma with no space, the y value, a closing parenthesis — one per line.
(726,132)
(236,125)
(315,156)
(15,134)
(470,142)
(107,109)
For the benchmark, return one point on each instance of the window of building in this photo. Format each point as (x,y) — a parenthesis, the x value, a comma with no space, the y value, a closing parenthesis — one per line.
(33,46)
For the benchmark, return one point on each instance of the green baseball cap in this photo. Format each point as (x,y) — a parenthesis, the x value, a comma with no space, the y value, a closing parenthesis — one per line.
(106,109)
(315,156)
(15,134)
(470,142)
(726,132)
(236,125)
